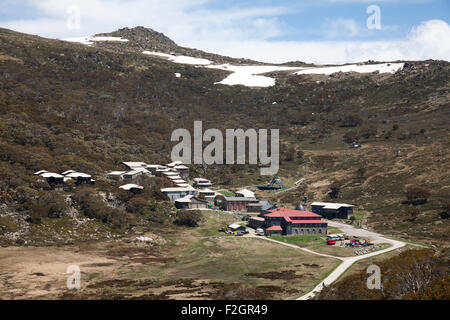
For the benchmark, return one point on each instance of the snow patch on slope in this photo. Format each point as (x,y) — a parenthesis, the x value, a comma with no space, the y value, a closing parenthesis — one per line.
(249,75)
(243,75)
(90,40)
(367,68)
(180,59)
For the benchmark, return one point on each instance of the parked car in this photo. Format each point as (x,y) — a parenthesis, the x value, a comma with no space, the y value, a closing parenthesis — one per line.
(340,237)
(354,242)
(337,237)
(260,232)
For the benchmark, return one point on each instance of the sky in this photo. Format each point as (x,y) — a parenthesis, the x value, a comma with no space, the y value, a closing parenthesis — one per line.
(313,31)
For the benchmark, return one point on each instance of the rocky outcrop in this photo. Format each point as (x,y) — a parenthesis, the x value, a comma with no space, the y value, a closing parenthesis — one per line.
(146,38)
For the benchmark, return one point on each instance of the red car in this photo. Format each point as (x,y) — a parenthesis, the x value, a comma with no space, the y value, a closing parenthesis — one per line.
(331,242)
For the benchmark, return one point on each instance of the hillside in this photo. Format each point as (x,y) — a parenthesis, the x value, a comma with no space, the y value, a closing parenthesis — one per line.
(66,105)
(411,275)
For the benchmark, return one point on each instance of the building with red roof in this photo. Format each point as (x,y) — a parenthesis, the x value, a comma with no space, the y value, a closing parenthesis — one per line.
(289,221)
(274,228)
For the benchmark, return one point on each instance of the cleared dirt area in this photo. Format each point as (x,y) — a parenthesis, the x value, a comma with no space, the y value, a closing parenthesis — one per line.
(190,264)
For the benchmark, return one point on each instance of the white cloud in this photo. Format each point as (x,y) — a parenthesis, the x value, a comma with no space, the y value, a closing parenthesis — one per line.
(341,27)
(429,40)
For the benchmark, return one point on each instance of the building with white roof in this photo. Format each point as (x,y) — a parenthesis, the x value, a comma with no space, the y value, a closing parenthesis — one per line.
(153,167)
(115,174)
(52,177)
(170,173)
(67,172)
(331,210)
(174,178)
(135,173)
(191,202)
(133,165)
(80,177)
(245,193)
(174,163)
(202,183)
(183,170)
(159,172)
(207,194)
(175,193)
(183,185)
(38,173)
(131,187)
(236,227)
(66,176)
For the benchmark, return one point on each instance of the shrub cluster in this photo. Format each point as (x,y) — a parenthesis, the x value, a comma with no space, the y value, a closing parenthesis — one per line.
(190,218)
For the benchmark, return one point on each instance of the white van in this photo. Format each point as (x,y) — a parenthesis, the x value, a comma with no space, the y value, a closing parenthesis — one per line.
(340,237)
(336,236)
(260,232)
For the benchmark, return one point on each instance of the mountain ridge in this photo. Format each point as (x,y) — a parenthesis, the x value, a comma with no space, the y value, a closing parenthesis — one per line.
(146,37)
(142,38)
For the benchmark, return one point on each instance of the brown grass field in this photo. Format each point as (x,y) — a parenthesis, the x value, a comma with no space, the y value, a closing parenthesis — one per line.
(186,264)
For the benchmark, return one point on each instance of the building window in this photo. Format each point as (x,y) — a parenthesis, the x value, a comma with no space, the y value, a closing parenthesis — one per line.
(320,230)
